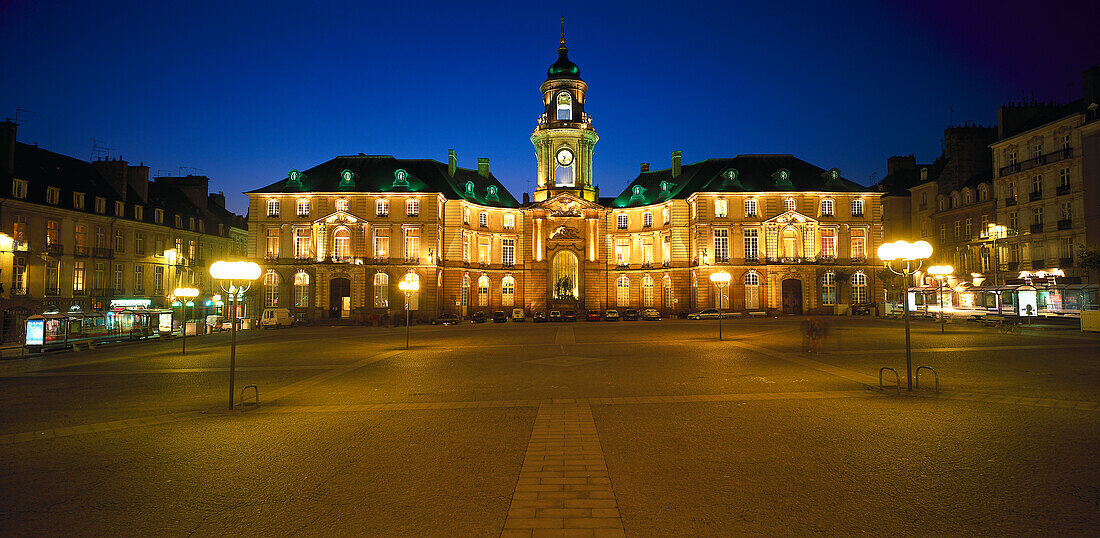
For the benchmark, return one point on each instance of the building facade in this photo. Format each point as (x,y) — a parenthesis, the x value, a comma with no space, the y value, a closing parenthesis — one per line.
(336,239)
(81,235)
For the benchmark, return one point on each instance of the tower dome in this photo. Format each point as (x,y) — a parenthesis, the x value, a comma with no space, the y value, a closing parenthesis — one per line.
(564,67)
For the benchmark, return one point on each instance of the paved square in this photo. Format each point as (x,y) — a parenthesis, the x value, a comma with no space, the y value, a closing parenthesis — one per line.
(575,429)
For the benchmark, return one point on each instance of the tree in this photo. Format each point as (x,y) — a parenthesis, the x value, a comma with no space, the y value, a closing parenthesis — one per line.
(1088,258)
(564,288)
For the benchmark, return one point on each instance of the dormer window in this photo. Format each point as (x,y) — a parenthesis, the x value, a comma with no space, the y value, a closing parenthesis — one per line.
(469,188)
(78,200)
(564,106)
(483,219)
(622,221)
(100,205)
(966,197)
(120,209)
(202,227)
(179,221)
(158,216)
(191,223)
(788,204)
(19,188)
(273,207)
(139,213)
(53,195)
(342,204)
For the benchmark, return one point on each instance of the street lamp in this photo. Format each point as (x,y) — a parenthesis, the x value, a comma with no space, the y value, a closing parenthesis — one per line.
(996,231)
(408,287)
(234,278)
(940,273)
(720,279)
(910,253)
(188,295)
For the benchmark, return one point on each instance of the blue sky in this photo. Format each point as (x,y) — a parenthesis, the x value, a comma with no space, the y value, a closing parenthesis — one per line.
(246,91)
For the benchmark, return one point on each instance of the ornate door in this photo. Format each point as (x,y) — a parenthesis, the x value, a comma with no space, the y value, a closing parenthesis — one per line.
(792,296)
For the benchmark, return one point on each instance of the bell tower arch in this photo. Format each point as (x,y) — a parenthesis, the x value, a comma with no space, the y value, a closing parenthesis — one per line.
(564,139)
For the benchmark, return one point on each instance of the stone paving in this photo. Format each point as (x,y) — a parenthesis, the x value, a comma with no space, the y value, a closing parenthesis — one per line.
(603,429)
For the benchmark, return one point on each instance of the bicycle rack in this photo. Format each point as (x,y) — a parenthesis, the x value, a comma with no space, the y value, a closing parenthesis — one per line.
(897,378)
(257,394)
(934,374)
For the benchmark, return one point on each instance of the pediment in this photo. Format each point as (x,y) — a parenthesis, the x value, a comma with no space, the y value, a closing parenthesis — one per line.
(790,217)
(566,205)
(339,217)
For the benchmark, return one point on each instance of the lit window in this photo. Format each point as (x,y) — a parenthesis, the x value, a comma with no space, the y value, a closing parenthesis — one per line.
(381,290)
(483,219)
(752,246)
(341,244)
(271,288)
(564,106)
(828,288)
(509,220)
(828,243)
(303,207)
(622,221)
(859,288)
(302,246)
(788,204)
(508,252)
(483,291)
(720,207)
(827,207)
(381,243)
(382,207)
(622,291)
(466,216)
(647,292)
(301,289)
(272,243)
(508,291)
(857,207)
(666,215)
(273,208)
(342,204)
(412,207)
(647,219)
(412,245)
(752,290)
(859,243)
(750,207)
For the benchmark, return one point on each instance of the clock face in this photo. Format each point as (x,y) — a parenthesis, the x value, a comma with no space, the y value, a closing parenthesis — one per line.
(565,157)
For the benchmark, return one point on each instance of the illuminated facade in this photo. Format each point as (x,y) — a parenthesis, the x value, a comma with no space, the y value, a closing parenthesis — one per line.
(336,239)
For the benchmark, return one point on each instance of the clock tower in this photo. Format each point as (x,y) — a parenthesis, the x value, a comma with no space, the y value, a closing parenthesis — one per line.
(564,139)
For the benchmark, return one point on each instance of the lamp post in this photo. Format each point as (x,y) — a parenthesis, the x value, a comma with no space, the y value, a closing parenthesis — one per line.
(408,287)
(188,295)
(940,273)
(996,231)
(234,278)
(720,279)
(913,254)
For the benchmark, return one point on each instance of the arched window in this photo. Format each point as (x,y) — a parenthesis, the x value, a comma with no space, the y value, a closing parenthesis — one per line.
(983,193)
(342,204)
(273,208)
(668,292)
(509,220)
(483,219)
(483,291)
(827,207)
(857,207)
(622,291)
(721,208)
(508,291)
(966,197)
(381,290)
(752,290)
(303,207)
(382,207)
(564,106)
(859,288)
(341,244)
(789,243)
(750,207)
(789,205)
(412,207)
(954,199)
(301,289)
(647,292)
(271,288)
(828,288)
(621,219)
(647,219)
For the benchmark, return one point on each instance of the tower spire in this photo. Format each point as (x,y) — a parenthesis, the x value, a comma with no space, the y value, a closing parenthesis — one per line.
(561,42)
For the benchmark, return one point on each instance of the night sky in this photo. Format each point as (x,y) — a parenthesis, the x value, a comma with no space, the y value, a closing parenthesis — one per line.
(246,92)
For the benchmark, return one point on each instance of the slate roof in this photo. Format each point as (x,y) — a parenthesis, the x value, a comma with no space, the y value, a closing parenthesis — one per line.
(899,183)
(754,173)
(377,173)
(43,168)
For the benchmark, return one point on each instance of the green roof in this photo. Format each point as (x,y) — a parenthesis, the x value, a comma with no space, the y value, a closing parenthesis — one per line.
(744,173)
(383,173)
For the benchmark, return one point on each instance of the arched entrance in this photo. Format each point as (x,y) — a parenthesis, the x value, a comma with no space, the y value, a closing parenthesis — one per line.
(339,298)
(792,296)
(565,278)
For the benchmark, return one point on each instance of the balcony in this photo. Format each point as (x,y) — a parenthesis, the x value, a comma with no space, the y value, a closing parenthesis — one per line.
(55,248)
(1037,264)
(53,292)
(858,259)
(1035,195)
(647,265)
(20,246)
(751,259)
(1061,189)
(827,260)
(508,265)
(1065,262)
(82,252)
(666,263)
(1065,224)
(1051,157)
(721,259)
(79,293)
(1037,228)
(1010,201)
(19,291)
(854,214)
(271,256)
(100,252)
(1012,266)
(622,265)
(159,292)
(416,261)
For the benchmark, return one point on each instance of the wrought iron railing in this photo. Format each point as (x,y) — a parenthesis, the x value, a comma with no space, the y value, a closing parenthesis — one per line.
(1051,157)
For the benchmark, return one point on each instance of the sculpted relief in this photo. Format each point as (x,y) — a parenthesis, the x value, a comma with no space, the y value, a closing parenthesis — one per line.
(565,232)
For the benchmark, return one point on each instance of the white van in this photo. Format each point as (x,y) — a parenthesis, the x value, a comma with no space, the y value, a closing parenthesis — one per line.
(276,317)
(517,315)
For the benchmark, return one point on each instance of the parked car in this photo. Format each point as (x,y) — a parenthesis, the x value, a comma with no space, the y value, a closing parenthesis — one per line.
(569,315)
(611,315)
(448,319)
(215,322)
(555,315)
(273,318)
(593,315)
(709,313)
(478,317)
(499,316)
(651,314)
(539,317)
(630,315)
(518,315)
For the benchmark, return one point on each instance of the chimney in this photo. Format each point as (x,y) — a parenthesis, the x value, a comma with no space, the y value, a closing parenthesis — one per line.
(217,199)
(645,167)
(138,179)
(7,146)
(898,163)
(195,188)
(452,162)
(526,198)
(676,163)
(483,166)
(1092,85)
(114,172)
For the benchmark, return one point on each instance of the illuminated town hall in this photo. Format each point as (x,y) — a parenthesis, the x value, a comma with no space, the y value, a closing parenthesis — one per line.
(337,238)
